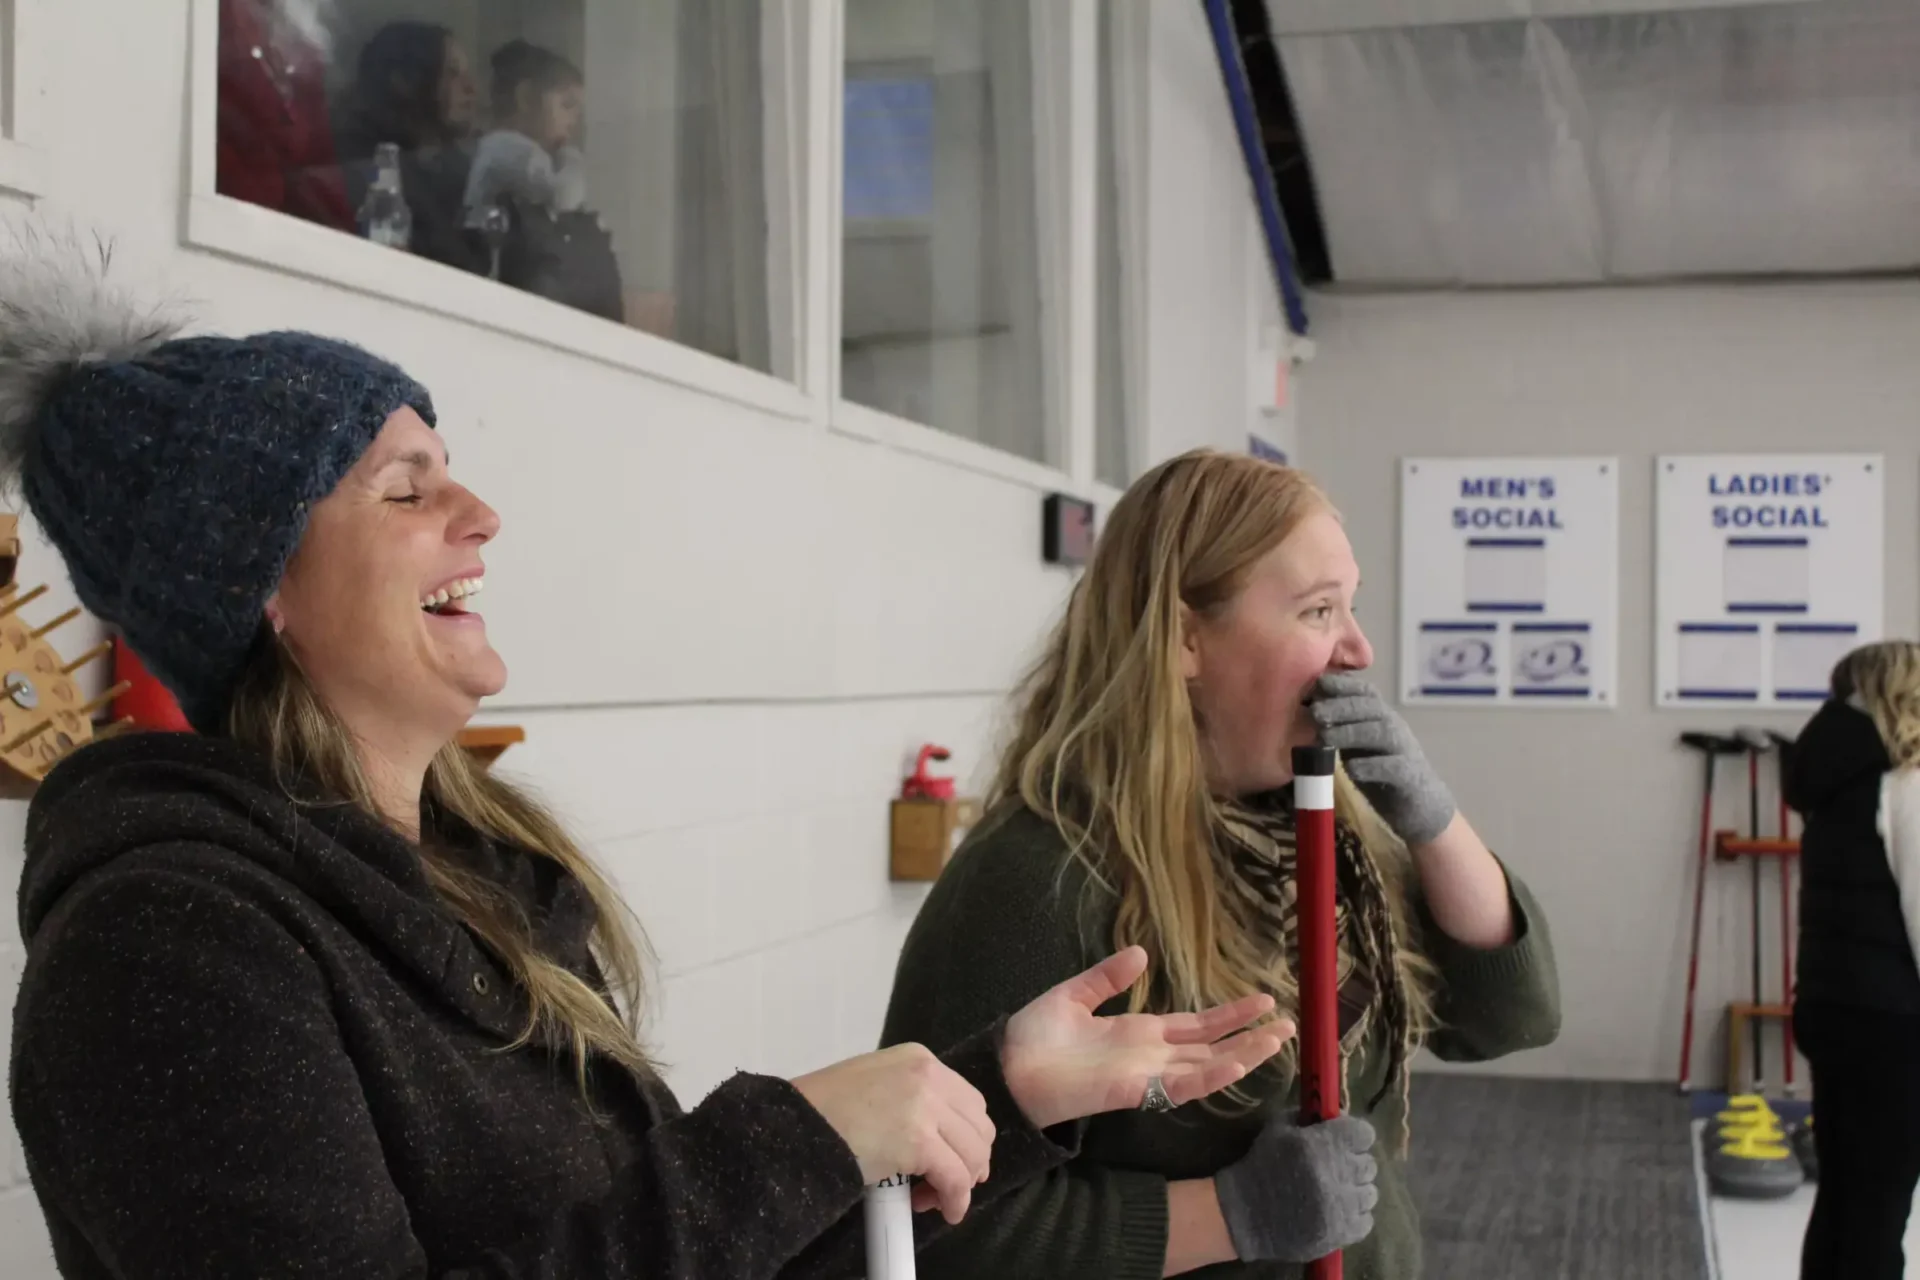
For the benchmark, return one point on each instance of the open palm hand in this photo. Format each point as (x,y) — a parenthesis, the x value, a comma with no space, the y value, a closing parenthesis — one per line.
(1063,1061)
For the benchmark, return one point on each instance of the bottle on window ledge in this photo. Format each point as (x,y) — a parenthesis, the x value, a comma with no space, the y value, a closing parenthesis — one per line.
(493,225)
(384,215)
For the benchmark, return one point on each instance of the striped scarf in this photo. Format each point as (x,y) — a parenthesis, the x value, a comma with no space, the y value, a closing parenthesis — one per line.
(1258,853)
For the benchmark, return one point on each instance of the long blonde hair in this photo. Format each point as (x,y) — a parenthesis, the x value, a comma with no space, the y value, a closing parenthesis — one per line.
(277,711)
(1106,746)
(1886,679)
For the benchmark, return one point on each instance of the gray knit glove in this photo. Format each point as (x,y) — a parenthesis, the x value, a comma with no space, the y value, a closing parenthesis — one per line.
(1302,1191)
(1382,757)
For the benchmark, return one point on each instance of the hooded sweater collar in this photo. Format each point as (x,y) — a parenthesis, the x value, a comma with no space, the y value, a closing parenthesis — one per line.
(111,800)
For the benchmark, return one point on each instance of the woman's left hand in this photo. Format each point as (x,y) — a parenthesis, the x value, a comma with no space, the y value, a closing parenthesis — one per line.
(1062,1061)
(1382,757)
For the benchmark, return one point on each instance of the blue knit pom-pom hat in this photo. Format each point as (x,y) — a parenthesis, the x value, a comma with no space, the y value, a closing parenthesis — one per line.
(175,474)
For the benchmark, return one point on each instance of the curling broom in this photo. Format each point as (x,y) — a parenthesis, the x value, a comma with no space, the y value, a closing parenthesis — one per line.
(1319,1009)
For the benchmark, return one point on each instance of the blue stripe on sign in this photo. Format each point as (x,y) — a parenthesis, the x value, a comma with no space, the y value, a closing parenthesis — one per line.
(1801,695)
(1767,542)
(1758,606)
(1563,691)
(1720,628)
(1477,627)
(1458,691)
(1816,629)
(1722,695)
(1503,606)
(1551,628)
(1506,542)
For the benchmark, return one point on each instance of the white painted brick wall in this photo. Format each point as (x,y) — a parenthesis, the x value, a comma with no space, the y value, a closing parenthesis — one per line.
(751,842)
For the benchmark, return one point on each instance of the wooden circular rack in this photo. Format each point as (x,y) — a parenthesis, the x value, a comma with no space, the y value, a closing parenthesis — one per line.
(44,716)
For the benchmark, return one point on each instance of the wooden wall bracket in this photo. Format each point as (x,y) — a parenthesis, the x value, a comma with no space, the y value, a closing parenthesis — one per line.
(44,717)
(487,741)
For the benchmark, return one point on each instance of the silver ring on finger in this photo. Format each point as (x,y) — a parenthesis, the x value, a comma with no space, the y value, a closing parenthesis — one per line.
(1156,1099)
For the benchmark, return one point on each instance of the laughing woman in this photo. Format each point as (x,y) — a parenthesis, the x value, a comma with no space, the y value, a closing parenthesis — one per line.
(1145,799)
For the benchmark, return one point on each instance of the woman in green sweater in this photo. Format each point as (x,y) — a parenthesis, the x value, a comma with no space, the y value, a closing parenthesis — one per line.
(1145,798)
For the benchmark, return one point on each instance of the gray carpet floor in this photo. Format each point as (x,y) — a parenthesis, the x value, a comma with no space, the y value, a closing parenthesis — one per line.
(1554,1180)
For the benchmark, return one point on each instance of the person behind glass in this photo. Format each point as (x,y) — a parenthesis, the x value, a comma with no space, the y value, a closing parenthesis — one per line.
(528,187)
(1854,774)
(413,92)
(313,993)
(532,154)
(274,140)
(1145,799)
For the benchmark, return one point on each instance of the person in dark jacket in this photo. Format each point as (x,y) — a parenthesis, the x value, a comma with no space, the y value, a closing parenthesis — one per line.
(1146,797)
(1851,773)
(313,994)
(414,87)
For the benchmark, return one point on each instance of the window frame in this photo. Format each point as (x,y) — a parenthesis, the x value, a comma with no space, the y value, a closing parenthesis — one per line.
(1067,124)
(234,229)
(24,166)
(1127,60)
(1057,36)
(804,101)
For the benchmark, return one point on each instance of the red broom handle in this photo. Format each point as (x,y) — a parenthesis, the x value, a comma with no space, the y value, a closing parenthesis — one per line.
(1786,935)
(1319,996)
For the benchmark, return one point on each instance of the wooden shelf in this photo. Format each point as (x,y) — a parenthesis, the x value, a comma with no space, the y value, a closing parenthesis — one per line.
(1727,846)
(487,741)
(1745,1010)
(1739,1014)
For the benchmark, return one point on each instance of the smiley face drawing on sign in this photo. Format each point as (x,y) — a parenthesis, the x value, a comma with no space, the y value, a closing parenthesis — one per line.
(1461,659)
(1557,660)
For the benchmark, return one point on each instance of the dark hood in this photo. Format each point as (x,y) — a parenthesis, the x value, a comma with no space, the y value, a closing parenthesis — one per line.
(1837,751)
(147,791)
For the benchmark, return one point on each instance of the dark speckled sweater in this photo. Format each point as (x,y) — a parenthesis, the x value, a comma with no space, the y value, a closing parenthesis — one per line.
(250,1043)
(1011,916)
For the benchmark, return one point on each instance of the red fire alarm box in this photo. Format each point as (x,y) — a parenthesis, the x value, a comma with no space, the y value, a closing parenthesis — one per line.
(928,821)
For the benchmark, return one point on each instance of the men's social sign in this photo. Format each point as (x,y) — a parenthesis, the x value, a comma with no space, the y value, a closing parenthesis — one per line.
(1769,569)
(1509,580)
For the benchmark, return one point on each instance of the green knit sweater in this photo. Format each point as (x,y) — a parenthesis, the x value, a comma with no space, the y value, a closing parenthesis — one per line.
(1010,917)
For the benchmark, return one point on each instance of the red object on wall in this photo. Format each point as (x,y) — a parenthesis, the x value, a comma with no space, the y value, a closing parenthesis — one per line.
(1316,907)
(274,143)
(147,703)
(922,786)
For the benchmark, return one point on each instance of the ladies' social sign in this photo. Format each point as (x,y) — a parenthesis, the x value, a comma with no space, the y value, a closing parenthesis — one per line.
(1769,570)
(1509,580)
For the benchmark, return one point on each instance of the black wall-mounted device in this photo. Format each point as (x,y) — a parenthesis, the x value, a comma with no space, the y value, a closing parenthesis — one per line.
(1066,530)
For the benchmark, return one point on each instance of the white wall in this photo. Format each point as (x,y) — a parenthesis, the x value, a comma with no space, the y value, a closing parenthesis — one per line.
(1598,810)
(727,631)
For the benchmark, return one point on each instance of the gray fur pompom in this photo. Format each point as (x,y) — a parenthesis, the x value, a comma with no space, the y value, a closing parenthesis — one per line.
(59,310)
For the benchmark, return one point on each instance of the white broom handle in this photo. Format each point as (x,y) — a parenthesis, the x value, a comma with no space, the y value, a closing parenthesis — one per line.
(890,1229)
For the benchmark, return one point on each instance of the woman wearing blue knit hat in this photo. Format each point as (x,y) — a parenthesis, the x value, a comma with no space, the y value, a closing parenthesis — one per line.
(308,993)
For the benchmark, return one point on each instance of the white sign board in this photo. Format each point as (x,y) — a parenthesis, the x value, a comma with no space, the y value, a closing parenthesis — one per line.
(1509,581)
(1769,570)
